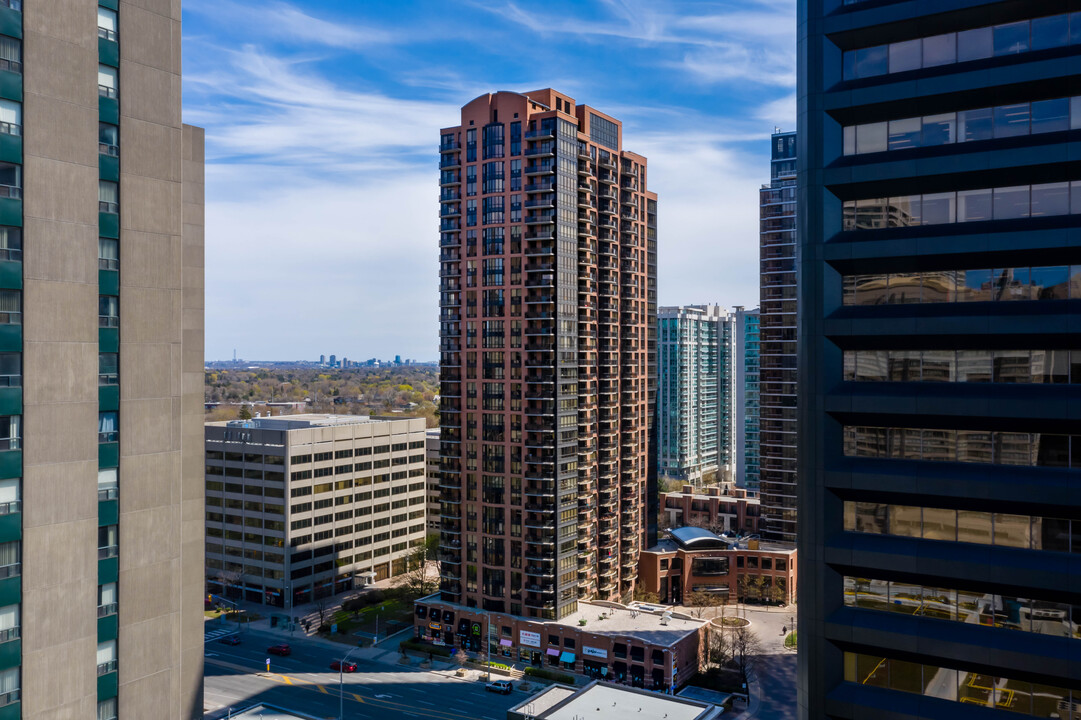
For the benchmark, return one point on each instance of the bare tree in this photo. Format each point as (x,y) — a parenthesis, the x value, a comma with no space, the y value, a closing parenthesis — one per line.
(746,648)
(416,579)
(229,579)
(700,602)
(322,606)
(718,647)
(645,596)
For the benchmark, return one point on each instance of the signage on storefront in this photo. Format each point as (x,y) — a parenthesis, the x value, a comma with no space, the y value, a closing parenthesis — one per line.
(433,626)
(476,629)
(438,642)
(594,652)
(531,639)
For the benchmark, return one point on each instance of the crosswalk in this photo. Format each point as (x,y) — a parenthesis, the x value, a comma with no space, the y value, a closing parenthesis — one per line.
(211,635)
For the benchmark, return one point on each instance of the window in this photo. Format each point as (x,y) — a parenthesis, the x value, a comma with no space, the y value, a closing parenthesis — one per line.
(108,197)
(106,657)
(11,244)
(11,54)
(108,311)
(107,542)
(108,369)
(11,180)
(9,623)
(108,254)
(10,432)
(108,139)
(107,427)
(11,117)
(9,686)
(106,81)
(10,559)
(10,491)
(11,369)
(107,484)
(107,709)
(107,599)
(106,24)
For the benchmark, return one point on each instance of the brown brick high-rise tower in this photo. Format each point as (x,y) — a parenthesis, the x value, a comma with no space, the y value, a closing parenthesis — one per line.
(548,306)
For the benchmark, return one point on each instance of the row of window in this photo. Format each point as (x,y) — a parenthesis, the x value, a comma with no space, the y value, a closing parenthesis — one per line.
(964,686)
(345,453)
(958,47)
(216,486)
(980,366)
(108,363)
(967,446)
(1001,121)
(1042,617)
(1004,203)
(947,286)
(964,526)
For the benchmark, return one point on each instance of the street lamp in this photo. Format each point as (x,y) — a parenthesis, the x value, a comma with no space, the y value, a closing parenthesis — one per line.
(341,683)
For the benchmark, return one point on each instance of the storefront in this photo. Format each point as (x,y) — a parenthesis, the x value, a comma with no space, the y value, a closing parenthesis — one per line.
(617,643)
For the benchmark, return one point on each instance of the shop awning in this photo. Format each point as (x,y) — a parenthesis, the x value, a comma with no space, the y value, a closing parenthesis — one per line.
(504,642)
(553,651)
(567,657)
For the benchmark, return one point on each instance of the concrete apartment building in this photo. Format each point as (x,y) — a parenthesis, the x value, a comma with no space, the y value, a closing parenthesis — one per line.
(300,507)
(777,348)
(745,397)
(101,350)
(431,461)
(548,321)
(938,209)
(695,349)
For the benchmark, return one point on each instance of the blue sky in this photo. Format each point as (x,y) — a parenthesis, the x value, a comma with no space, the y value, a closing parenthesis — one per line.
(322,122)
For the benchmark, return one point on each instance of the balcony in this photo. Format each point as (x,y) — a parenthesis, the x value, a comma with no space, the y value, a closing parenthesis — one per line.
(547,133)
(547,149)
(450,162)
(547,168)
(451,146)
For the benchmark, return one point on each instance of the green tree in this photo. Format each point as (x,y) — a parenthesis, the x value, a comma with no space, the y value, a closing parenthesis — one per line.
(245,412)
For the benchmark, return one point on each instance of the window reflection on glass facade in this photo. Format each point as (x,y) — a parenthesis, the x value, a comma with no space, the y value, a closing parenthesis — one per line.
(944,286)
(1042,617)
(967,446)
(1051,367)
(1001,121)
(975,44)
(1004,203)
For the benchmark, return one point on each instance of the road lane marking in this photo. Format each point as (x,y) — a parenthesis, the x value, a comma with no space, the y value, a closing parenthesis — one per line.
(322,689)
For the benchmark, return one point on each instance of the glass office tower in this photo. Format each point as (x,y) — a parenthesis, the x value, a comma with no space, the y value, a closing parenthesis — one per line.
(940,360)
(777,363)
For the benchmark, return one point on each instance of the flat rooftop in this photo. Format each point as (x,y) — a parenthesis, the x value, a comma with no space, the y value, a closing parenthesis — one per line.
(305,420)
(670,545)
(629,621)
(600,701)
(270,712)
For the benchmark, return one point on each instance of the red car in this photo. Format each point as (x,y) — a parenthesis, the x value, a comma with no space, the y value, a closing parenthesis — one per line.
(282,650)
(345,667)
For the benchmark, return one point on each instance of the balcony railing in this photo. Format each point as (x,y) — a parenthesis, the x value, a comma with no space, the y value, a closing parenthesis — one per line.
(10,508)
(107,34)
(106,610)
(12,570)
(110,493)
(12,696)
(106,667)
(105,553)
(103,90)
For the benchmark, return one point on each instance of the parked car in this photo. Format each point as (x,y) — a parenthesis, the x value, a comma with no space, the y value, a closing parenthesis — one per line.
(282,650)
(499,686)
(230,640)
(345,667)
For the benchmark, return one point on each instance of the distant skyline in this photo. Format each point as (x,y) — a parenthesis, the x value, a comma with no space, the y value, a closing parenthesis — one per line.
(322,124)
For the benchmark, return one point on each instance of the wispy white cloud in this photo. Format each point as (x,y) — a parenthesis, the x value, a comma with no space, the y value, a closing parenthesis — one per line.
(321,180)
(289,24)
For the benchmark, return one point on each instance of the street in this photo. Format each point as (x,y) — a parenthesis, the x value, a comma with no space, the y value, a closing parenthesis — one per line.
(236,677)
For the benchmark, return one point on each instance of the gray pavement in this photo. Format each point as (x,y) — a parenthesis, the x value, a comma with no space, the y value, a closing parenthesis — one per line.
(236,677)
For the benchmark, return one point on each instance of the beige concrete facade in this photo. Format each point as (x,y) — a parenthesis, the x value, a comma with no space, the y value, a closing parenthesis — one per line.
(299,507)
(158,499)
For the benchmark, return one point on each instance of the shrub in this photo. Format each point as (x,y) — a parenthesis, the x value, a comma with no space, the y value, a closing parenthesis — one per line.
(425,648)
(374,597)
(550,675)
